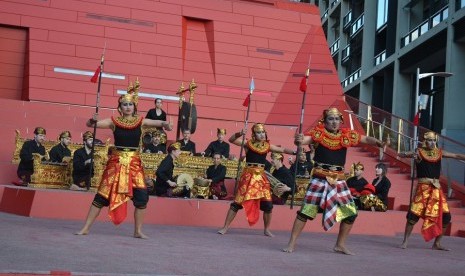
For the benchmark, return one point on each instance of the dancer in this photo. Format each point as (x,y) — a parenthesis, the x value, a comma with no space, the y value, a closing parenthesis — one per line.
(253,193)
(328,191)
(429,202)
(123,177)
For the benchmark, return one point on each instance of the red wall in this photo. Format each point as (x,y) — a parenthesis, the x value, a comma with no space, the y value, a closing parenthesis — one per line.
(221,44)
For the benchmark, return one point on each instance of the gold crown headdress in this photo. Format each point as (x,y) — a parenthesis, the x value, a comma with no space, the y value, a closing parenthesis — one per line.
(277,155)
(132,94)
(175,146)
(65,134)
(40,130)
(358,166)
(87,135)
(332,111)
(221,131)
(258,127)
(430,135)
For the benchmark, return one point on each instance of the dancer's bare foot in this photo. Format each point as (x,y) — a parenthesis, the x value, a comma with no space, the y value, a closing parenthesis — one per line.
(82,232)
(289,249)
(268,233)
(222,231)
(439,247)
(404,245)
(140,235)
(343,250)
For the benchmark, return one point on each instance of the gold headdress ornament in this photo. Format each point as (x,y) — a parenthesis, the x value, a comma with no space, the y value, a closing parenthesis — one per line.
(175,146)
(65,134)
(430,135)
(277,155)
(87,135)
(332,111)
(358,166)
(156,133)
(40,130)
(258,127)
(132,94)
(221,131)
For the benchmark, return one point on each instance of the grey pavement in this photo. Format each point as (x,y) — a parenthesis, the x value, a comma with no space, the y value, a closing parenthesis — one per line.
(45,246)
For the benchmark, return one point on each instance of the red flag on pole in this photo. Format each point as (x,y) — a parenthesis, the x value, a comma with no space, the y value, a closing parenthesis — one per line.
(416,119)
(303,84)
(246,101)
(94,78)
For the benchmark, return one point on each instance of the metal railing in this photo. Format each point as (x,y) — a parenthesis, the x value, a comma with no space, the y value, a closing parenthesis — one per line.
(353,77)
(425,26)
(380,57)
(381,124)
(334,47)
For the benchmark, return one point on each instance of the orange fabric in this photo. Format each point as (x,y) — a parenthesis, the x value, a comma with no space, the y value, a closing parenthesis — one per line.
(254,186)
(122,173)
(430,204)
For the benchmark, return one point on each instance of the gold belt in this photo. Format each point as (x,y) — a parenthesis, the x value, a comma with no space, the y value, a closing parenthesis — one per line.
(323,173)
(432,181)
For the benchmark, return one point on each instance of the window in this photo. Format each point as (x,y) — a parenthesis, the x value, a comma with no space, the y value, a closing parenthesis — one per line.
(382,13)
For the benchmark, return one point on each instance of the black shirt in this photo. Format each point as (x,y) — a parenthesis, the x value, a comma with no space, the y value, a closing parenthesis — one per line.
(80,170)
(164,173)
(26,163)
(216,174)
(302,167)
(151,148)
(217,147)
(58,152)
(189,146)
(284,175)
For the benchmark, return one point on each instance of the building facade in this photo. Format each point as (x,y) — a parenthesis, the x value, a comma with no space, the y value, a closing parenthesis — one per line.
(378,46)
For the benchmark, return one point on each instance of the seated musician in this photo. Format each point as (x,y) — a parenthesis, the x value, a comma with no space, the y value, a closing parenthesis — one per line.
(164,183)
(60,153)
(156,146)
(284,175)
(26,164)
(82,164)
(304,167)
(358,185)
(186,143)
(216,174)
(218,146)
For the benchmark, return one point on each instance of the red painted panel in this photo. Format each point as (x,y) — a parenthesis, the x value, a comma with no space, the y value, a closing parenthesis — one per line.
(265,11)
(232,70)
(209,5)
(116,22)
(147,5)
(242,61)
(94,8)
(38,34)
(156,49)
(241,39)
(53,47)
(41,12)
(170,18)
(271,33)
(10,19)
(175,63)
(217,15)
(60,25)
(229,48)
(11,70)
(280,24)
(227,27)
(87,40)
(12,45)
